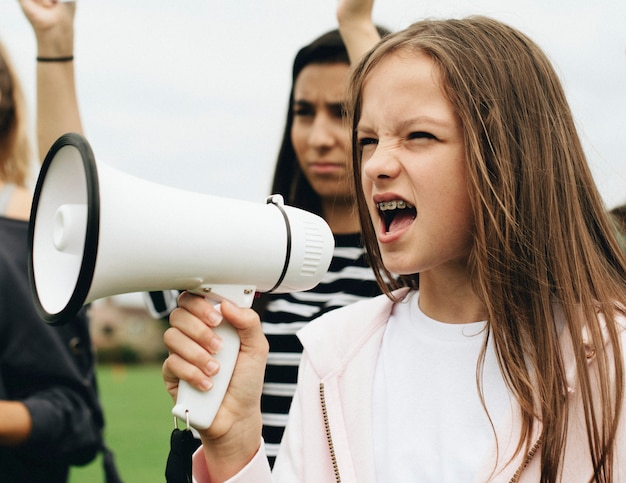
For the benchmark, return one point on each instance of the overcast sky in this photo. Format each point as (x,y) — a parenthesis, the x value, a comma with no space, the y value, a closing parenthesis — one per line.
(193,93)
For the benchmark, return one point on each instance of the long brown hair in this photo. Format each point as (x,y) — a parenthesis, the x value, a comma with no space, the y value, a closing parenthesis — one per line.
(541,233)
(15,147)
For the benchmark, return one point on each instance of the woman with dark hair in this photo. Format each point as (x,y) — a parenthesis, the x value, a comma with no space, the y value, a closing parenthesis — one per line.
(312,174)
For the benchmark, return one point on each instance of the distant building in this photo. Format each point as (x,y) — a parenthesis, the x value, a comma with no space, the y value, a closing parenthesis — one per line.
(122,330)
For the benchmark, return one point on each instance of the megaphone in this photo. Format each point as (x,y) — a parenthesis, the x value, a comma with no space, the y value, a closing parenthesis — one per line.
(96,231)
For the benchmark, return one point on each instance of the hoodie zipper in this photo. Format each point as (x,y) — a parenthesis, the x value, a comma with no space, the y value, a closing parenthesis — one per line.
(333,457)
(329,437)
(524,464)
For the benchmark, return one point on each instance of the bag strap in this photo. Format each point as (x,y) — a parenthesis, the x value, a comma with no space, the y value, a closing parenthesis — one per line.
(111,473)
(182,446)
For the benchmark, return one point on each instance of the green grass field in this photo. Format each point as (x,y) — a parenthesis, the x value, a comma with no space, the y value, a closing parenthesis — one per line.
(139,422)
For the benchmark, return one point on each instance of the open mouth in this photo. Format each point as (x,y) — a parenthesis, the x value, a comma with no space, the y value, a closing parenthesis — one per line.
(396,214)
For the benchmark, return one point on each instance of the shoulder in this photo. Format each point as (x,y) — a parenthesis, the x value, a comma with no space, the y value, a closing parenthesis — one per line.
(14,230)
(349,325)
(19,204)
(14,236)
(347,337)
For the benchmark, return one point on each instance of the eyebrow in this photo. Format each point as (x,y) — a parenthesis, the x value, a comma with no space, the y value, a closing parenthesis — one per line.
(305,103)
(407,123)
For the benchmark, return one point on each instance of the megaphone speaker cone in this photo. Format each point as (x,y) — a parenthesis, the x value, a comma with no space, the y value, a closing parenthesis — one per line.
(63,231)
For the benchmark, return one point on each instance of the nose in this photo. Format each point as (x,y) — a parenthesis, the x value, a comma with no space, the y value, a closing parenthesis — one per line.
(382,164)
(321,135)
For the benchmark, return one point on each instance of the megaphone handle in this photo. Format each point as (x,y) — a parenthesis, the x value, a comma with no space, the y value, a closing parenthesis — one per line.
(199,407)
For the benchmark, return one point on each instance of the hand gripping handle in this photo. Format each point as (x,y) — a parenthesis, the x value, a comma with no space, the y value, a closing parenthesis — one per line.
(197,407)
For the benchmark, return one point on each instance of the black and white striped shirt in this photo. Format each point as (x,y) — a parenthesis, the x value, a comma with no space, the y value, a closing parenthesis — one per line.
(348,280)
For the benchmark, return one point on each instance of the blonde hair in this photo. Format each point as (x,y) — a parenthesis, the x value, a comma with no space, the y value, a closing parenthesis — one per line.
(15,144)
(541,232)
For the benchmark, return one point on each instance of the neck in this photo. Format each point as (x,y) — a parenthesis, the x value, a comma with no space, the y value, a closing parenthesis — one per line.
(448,296)
(341,216)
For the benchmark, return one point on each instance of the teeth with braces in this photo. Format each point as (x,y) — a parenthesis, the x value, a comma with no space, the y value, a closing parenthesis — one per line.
(393,205)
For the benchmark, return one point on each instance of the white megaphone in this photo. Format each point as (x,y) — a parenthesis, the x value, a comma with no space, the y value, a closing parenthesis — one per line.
(95,232)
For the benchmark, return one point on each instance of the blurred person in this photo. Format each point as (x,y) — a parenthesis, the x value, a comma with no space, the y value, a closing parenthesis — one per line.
(50,413)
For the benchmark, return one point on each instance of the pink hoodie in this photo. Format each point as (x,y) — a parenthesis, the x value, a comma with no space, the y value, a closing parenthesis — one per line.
(329,434)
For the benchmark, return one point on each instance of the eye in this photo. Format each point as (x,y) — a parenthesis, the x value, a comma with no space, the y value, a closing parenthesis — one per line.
(303,109)
(367,142)
(303,112)
(421,135)
(337,111)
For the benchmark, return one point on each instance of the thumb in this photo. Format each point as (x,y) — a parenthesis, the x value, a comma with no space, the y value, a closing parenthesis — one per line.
(245,320)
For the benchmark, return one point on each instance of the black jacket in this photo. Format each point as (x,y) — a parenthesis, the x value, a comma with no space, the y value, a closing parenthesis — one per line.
(50,369)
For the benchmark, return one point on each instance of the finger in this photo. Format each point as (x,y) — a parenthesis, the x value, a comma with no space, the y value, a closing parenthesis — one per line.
(170,380)
(196,329)
(175,369)
(200,307)
(248,324)
(192,353)
(240,318)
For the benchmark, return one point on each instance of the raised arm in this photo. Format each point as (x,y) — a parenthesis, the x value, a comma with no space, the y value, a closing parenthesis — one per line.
(57,103)
(356,27)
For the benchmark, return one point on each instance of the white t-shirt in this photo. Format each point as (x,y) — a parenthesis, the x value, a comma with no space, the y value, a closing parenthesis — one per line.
(428,422)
